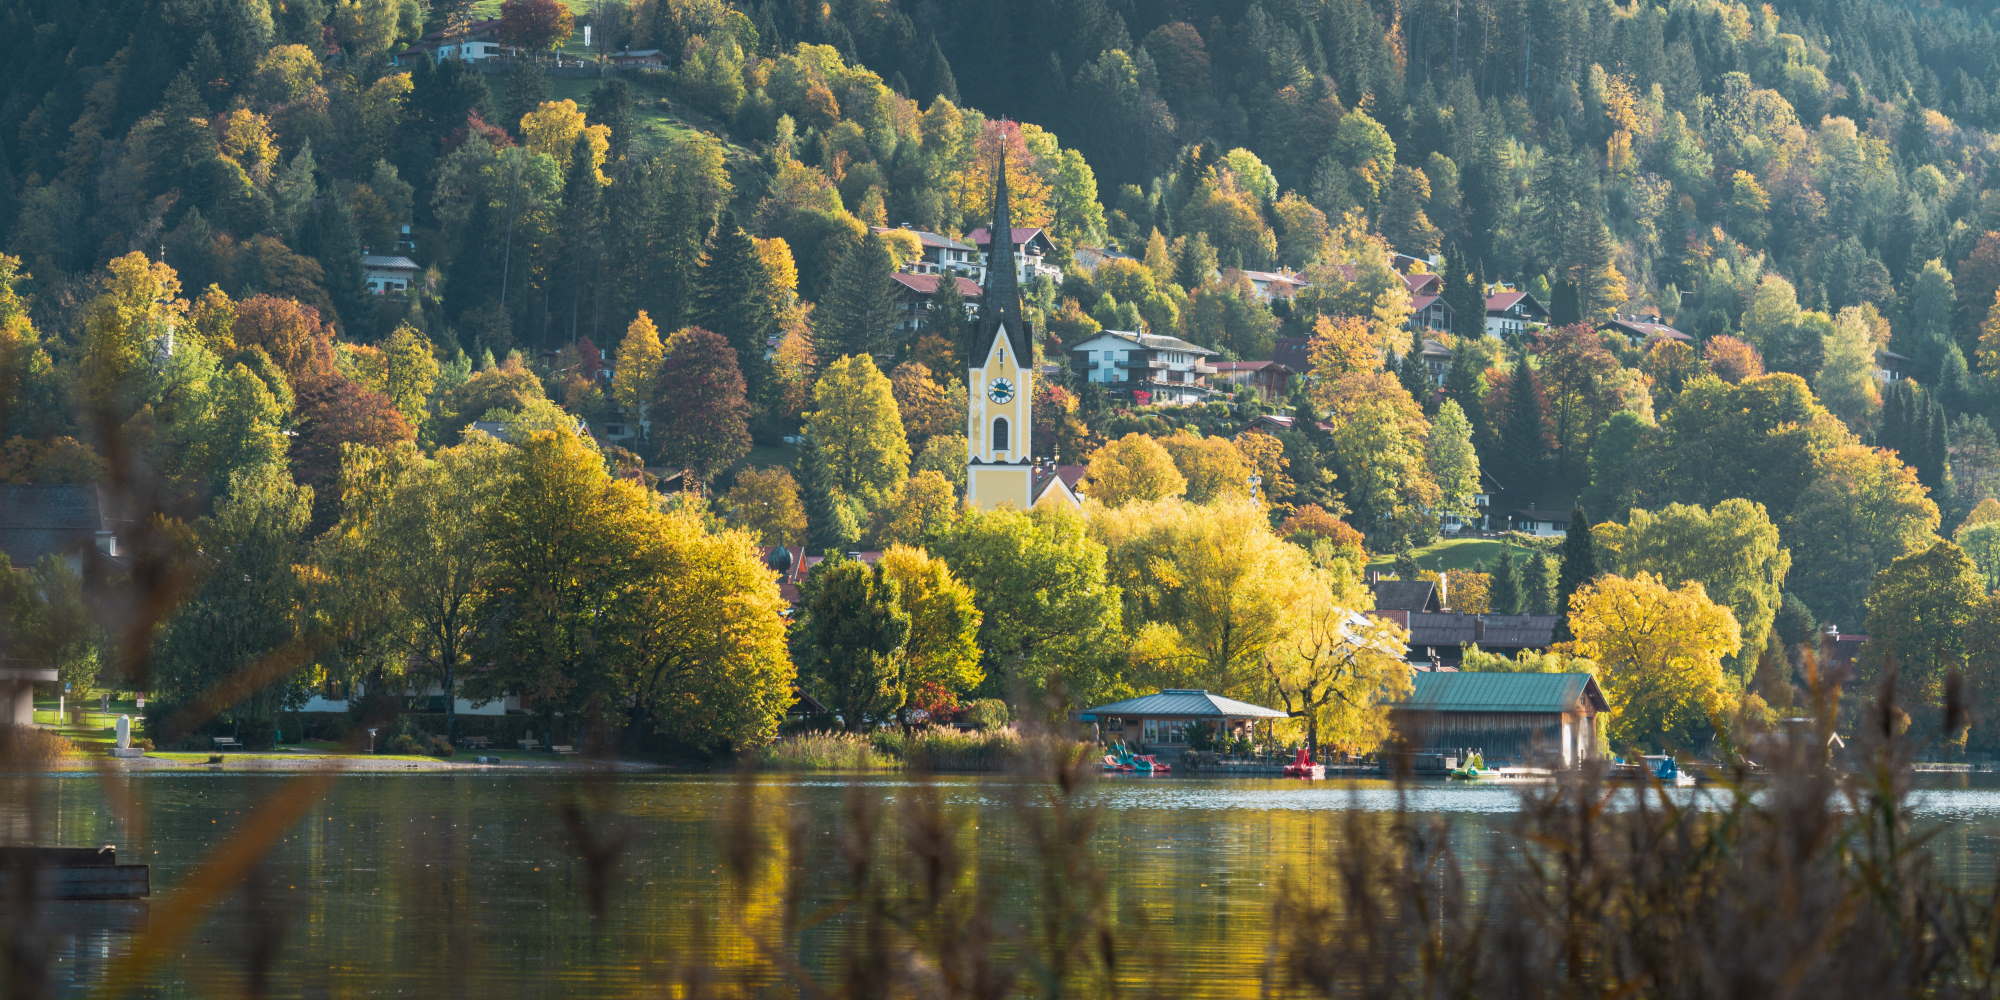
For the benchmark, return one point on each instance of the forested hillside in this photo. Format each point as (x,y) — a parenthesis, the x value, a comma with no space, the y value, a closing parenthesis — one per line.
(1808,190)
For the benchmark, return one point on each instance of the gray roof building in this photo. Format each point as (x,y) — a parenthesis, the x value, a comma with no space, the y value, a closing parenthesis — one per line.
(40,520)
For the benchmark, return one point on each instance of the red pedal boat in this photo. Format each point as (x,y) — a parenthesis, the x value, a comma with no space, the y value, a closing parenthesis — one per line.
(1302,766)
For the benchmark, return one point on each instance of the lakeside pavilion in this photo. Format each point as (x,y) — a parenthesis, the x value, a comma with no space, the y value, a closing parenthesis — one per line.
(1161,721)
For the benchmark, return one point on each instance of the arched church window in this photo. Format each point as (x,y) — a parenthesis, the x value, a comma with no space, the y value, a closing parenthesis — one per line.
(999,433)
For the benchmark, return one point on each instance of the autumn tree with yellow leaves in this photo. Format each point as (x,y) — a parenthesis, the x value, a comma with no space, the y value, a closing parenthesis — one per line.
(1660,652)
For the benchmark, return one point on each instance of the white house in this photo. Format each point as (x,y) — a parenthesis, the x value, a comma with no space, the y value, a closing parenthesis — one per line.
(385,275)
(942,255)
(1147,368)
(471,43)
(1511,312)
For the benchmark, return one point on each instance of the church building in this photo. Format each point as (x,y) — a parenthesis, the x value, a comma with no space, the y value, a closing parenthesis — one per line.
(1001,470)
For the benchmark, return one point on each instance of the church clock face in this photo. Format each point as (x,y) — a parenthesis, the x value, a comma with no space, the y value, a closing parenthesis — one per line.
(1000,391)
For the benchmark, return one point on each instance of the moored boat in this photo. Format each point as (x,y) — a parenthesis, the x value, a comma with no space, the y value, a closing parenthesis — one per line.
(1302,766)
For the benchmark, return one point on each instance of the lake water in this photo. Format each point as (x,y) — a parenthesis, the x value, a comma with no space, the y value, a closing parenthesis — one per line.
(469,885)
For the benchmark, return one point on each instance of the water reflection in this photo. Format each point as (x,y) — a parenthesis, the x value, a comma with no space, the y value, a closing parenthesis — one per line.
(469,885)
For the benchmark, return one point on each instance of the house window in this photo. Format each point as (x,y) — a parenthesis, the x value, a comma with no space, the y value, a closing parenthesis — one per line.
(1151,731)
(999,433)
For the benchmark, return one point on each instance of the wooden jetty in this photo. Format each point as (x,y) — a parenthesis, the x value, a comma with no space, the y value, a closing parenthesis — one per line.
(73,873)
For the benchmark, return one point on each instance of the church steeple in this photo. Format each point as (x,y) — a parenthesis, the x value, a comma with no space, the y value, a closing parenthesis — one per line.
(1000,303)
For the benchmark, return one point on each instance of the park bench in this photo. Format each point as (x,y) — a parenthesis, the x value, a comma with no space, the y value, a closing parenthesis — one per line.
(531,744)
(227,743)
(563,748)
(477,742)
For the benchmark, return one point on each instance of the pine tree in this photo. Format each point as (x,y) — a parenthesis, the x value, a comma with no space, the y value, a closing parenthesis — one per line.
(944,318)
(938,75)
(1413,373)
(1523,438)
(580,234)
(1538,584)
(733,298)
(1579,567)
(1461,385)
(833,520)
(858,313)
(1506,598)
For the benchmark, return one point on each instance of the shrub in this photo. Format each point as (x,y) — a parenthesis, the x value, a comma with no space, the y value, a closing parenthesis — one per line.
(821,751)
(987,713)
(32,746)
(440,747)
(403,744)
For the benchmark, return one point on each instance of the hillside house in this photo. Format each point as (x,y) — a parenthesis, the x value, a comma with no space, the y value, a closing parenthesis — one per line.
(1088,259)
(1145,368)
(639,59)
(71,521)
(1540,522)
(1268,379)
(1428,308)
(941,254)
(1890,367)
(1268,286)
(389,275)
(473,42)
(1511,312)
(1641,332)
(915,291)
(1032,250)
(1408,596)
(1437,361)
(1546,719)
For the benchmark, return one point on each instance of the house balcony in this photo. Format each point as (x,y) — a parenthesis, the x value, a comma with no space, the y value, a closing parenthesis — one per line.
(1152,363)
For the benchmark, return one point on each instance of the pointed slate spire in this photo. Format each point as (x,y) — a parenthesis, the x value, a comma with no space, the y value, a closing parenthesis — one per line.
(1000,303)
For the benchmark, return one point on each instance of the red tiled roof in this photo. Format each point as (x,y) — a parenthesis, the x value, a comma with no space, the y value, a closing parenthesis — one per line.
(1419,281)
(1503,301)
(927,284)
(1419,302)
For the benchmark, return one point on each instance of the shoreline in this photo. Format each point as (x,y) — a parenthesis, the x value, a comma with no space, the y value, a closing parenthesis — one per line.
(282,763)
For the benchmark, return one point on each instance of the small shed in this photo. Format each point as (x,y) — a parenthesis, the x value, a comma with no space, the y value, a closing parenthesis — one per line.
(1163,721)
(1519,718)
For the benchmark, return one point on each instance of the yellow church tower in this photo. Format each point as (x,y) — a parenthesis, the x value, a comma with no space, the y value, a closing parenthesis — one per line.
(1000,466)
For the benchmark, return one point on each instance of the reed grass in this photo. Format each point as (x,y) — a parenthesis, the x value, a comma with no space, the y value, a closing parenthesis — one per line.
(821,751)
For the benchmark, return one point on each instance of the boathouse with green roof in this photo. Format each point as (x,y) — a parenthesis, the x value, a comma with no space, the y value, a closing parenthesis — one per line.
(1530,719)
(1162,722)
